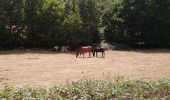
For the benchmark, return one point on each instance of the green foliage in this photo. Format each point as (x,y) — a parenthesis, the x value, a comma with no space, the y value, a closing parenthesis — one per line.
(112,22)
(90,17)
(120,89)
(11,22)
(44,19)
(139,23)
(45,23)
(53,19)
(73,29)
(26,93)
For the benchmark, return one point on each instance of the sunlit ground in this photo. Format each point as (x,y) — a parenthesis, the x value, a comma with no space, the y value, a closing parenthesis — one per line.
(45,68)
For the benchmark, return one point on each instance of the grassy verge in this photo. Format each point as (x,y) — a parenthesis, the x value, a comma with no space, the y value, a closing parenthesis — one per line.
(93,90)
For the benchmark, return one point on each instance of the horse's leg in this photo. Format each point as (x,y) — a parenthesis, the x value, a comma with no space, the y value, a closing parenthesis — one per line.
(89,54)
(96,54)
(102,54)
(93,53)
(80,53)
(77,54)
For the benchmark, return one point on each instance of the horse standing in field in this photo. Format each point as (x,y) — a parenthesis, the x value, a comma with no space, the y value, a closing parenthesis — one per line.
(83,50)
(102,50)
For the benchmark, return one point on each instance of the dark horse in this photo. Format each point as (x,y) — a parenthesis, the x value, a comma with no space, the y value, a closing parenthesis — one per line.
(102,50)
(83,50)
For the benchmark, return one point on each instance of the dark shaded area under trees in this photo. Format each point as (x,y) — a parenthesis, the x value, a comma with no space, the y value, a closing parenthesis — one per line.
(139,23)
(45,23)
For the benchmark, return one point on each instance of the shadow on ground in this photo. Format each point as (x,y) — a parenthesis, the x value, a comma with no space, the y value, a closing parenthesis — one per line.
(19,52)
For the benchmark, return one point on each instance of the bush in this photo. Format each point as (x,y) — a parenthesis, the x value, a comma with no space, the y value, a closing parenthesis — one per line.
(119,89)
(115,46)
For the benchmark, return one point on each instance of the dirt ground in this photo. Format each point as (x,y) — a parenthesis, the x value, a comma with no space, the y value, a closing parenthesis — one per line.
(46,68)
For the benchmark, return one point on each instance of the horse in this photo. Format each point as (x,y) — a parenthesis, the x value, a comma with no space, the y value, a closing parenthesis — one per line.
(83,50)
(98,49)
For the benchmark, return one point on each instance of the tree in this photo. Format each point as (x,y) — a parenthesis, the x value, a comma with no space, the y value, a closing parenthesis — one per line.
(53,23)
(11,23)
(139,23)
(33,22)
(113,22)
(90,18)
(44,20)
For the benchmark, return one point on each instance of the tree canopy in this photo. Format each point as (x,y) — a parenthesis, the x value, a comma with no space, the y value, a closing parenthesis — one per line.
(45,23)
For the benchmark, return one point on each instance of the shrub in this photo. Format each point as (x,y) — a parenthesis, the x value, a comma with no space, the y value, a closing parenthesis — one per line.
(119,89)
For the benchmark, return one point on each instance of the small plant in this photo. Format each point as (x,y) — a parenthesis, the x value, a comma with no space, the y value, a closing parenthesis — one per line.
(120,89)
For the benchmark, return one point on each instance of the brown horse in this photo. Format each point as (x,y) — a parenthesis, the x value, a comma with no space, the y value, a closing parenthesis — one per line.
(83,50)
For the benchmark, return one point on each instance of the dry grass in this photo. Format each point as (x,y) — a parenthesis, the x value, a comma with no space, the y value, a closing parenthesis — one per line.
(45,68)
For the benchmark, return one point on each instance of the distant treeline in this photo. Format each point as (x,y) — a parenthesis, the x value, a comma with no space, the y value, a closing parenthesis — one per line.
(45,23)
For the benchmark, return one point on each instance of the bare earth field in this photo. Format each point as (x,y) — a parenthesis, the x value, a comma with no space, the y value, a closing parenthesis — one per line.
(46,68)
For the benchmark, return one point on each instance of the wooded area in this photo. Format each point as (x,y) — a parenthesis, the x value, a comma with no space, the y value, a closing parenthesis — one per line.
(46,23)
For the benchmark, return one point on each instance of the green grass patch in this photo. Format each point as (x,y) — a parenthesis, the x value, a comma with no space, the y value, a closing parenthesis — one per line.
(119,89)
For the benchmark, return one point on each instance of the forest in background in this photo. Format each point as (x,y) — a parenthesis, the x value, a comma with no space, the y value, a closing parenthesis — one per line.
(46,23)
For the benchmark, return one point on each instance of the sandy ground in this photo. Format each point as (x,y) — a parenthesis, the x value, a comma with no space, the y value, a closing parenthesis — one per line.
(45,68)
